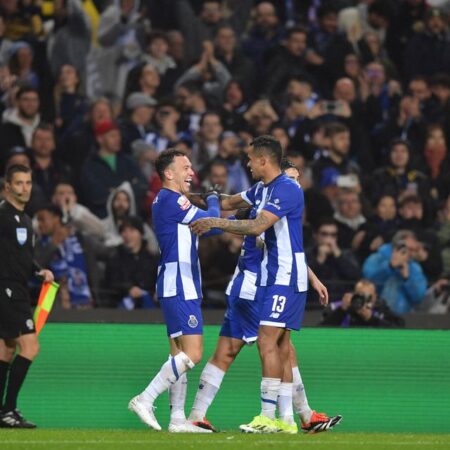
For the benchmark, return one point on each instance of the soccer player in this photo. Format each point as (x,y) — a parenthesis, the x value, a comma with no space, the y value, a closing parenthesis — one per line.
(17,266)
(240,327)
(283,278)
(178,288)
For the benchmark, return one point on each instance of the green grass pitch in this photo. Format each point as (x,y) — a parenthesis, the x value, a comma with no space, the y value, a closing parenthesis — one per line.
(73,439)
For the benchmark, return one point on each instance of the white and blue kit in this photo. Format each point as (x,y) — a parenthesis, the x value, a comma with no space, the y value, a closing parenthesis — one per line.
(178,284)
(282,276)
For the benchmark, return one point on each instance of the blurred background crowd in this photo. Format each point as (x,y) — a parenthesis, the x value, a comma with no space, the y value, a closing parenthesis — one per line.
(357,92)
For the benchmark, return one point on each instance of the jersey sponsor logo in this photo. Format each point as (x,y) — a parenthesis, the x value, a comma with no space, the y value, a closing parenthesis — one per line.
(30,324)
(21,235)
(8,292)
(156,200)
(274,205)
(193,322)
(17,218)
(183,202)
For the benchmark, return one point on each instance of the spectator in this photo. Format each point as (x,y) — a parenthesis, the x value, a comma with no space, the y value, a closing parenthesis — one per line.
(398,176)
(143,78)
(72,257)
(23,20)
(444,236)
(20,122)
(429,52)
(131,271)
(5,44)
(192,103)
(120,206)
(378,229)
(238,65)
(47,170)
(361,308)
(399,279)
(231,152)
(197,29)
(348,216)
(70,105)
(70,40)
(216,176)
(234,106)
(260,117)
(207,143)
(108,169)
(78,216)
(21,64)
(140,109)
(288,61)
(210,72)
(336,267)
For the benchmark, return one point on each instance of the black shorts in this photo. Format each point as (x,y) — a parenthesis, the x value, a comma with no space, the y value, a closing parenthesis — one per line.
(15,318)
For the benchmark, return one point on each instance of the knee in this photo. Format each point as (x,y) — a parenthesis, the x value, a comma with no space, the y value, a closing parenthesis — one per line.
(266,345)
(195,355)
(7,353)
(30,350)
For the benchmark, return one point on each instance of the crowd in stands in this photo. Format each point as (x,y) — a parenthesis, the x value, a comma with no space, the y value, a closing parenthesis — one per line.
(357,92)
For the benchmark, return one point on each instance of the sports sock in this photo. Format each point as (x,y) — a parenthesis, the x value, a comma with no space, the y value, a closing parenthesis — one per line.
(285,403)
(170,372)
(269,395)
(4,367)
(301,406)
(17,374)
(177,398)
(210,381)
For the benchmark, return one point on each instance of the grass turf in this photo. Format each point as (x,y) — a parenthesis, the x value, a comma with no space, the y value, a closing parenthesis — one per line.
(77,439)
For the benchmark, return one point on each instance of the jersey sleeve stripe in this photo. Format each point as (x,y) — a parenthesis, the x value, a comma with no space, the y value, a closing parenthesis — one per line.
(190,215)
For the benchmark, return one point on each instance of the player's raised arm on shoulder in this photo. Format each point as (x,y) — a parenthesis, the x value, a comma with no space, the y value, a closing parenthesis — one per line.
(254,227)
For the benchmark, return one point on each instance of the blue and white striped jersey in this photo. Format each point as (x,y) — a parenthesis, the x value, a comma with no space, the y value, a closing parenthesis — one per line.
(179,267)
(284,258)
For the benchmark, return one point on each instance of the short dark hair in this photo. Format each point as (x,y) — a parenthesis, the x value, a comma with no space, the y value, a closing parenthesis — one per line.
(295,30)
(325,221)
(269,146)
(25,89)
(413,198)
(44,126)
(399,141)
(165,159)
(286,164)
(54,210)
(15,168)
(217,163)
(440,79)
(334,128)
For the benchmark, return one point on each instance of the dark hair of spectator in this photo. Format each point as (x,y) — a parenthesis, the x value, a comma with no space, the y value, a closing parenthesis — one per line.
(414,199)
(399,141)
(325,221)
(52,209)
(326,10)
(44,126)
(420,78)
(224,26)
(334,128)
(295,30)
(15,168)
(157,34)
(286,164)
(193,87)
(268,145)
(209,113)
(217,163)
(24,90)
(440,79)
(165,159)
(380,8)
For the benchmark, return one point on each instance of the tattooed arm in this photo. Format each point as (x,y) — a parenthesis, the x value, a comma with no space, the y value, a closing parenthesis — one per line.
(255,227)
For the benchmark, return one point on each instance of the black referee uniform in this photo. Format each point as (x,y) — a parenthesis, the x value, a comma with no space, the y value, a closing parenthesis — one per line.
(16,269)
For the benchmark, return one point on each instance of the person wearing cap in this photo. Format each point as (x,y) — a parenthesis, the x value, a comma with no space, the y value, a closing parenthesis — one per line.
(140,108)
(107,169)
(131,271)
(428,52)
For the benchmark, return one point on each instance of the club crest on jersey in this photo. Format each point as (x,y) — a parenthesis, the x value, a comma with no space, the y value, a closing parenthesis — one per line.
(21,235)
(183,202)
(8,292)
(17,218)
(193,322)
(30,324)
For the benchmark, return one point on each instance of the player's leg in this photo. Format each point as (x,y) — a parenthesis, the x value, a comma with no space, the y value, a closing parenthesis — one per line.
(7,351)
(286,422)
(212,375)
(177,391)
(312,421)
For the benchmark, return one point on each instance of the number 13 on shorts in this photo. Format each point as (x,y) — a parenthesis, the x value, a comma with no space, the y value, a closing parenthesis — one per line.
(279,302)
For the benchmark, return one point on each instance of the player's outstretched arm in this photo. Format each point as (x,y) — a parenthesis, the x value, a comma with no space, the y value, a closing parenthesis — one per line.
(231,202)
(255,227)
(318,286)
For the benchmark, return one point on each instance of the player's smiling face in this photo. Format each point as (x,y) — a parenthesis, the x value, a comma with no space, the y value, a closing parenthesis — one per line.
(181,173)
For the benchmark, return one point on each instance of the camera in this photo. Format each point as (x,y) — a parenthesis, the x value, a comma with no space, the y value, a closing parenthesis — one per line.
(358,301)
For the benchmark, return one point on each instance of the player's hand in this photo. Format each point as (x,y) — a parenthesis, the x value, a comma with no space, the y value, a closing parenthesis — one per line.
(201,226)
(47,275)
(214,190)
(322,290)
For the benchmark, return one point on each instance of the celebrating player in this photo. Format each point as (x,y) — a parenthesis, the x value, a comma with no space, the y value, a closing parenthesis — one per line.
(178,288)
(17,266)
(240,326)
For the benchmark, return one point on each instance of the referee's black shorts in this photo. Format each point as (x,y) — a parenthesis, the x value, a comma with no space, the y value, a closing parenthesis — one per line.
(15,317)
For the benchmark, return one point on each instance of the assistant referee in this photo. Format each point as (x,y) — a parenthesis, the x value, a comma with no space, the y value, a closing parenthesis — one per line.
(17,332)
